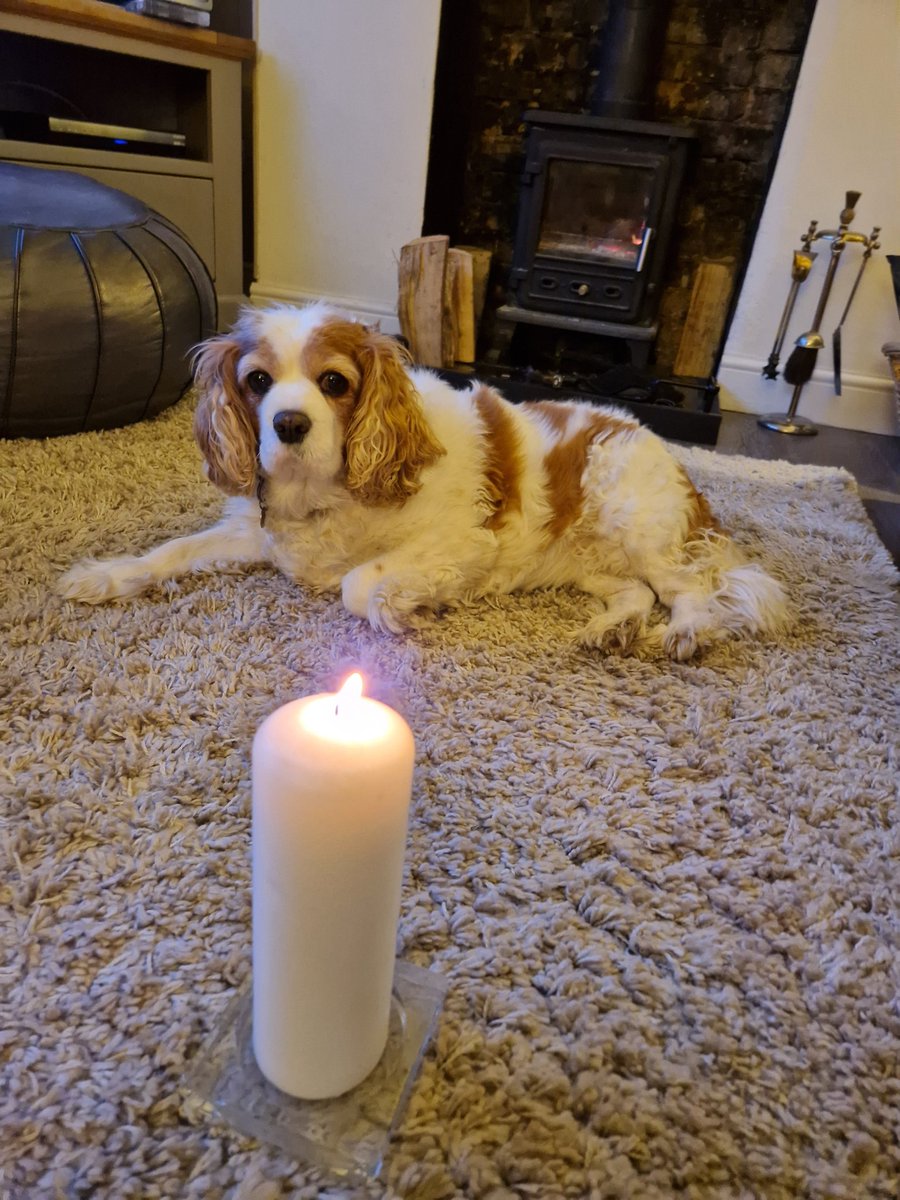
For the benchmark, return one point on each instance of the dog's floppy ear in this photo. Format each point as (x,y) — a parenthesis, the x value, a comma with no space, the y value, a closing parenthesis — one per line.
(388,439)
(224,423)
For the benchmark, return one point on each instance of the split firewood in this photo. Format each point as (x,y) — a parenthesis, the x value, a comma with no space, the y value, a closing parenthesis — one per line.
(442,293)
(481,269)
(421,302)
(460,306)
(707,311)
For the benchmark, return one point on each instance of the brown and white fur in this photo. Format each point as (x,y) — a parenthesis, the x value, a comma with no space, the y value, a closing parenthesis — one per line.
(405,495)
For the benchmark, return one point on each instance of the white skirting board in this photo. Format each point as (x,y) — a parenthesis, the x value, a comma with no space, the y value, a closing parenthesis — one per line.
(229,308)
(867,403)
(366,311)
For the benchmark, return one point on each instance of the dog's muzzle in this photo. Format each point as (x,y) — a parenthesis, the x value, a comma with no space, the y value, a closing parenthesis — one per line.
(291,427)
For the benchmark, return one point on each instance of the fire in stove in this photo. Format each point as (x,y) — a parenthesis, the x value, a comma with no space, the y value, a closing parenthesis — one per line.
(596,212)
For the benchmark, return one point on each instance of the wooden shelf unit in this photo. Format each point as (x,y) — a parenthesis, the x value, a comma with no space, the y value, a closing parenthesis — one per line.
(121,68)
(98,17)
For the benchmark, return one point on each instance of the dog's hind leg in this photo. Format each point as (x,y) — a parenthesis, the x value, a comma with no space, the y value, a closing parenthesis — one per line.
(713,601)
(628,605)
(692,625)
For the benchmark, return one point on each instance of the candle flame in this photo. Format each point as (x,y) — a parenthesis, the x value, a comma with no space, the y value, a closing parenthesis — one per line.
(350,691)
(352,687)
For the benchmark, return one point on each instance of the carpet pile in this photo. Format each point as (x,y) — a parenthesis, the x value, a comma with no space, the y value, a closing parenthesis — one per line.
(664,895)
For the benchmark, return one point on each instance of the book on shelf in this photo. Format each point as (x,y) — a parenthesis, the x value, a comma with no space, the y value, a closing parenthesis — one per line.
(187,13)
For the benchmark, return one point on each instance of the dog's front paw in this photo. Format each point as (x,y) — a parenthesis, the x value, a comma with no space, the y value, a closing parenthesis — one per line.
(391,610)
(616,636)
(386,602)
(92,582)
(679,643)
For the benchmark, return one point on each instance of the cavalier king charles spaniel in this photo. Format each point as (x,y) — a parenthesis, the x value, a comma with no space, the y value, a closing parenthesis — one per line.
(352,471)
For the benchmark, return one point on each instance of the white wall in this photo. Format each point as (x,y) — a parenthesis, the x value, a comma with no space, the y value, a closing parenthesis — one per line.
(344,93)
(842,134)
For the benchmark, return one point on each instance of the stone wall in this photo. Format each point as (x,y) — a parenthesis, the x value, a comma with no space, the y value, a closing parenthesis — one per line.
(728,70)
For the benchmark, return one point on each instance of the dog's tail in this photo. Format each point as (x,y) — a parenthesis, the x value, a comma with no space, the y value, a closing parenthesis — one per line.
(712,590)
(749,599)
(715,594)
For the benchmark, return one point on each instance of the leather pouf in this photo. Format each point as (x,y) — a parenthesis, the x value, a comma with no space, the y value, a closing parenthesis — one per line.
(101,300)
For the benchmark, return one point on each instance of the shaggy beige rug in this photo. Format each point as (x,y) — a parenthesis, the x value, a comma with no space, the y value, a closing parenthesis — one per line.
(664,896)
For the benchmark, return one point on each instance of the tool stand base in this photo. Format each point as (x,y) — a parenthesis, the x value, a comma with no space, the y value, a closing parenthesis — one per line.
(782,423)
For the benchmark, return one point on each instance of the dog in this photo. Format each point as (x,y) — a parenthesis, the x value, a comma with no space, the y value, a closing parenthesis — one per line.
(352,471)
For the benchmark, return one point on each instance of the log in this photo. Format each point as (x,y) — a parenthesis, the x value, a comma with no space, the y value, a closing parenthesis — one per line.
(702,334)
(460,304)
(421,302)
(481,269)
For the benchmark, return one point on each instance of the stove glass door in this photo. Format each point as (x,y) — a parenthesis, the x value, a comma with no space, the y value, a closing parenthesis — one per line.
(596,212)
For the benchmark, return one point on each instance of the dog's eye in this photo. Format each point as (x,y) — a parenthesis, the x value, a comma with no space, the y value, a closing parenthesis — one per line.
(333,383)
(259,382)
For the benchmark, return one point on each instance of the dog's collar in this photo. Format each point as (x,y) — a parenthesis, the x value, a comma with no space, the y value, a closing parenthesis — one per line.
(263,506)
(260,492)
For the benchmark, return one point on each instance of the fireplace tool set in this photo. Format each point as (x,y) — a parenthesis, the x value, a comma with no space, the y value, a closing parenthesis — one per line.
(800,365)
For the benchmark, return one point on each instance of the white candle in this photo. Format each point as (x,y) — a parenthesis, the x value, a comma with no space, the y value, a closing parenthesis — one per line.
(332,777)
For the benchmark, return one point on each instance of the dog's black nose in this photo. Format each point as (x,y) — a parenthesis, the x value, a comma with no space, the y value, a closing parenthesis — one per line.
(291,426)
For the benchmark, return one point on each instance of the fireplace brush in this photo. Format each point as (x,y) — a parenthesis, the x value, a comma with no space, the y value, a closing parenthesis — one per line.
(799,367)
(802,264)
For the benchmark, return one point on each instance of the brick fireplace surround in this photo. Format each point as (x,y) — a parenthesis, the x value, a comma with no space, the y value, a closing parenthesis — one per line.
(727,70)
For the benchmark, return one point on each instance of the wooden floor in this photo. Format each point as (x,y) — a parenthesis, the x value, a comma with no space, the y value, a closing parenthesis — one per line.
(873,459)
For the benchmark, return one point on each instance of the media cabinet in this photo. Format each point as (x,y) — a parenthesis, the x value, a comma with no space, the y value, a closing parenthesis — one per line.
(94,61)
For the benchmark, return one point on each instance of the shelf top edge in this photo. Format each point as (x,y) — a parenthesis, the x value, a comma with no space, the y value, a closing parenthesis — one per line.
(67,157)
(107,18)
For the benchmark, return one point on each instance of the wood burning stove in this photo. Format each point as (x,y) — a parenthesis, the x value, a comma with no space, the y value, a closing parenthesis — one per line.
(597,205)
(599,195)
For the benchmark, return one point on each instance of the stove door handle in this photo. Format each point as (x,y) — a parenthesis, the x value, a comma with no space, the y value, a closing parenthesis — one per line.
(645,242)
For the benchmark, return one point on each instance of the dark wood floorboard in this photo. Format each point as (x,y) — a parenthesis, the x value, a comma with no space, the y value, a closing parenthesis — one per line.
(885,516)
(873,460)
